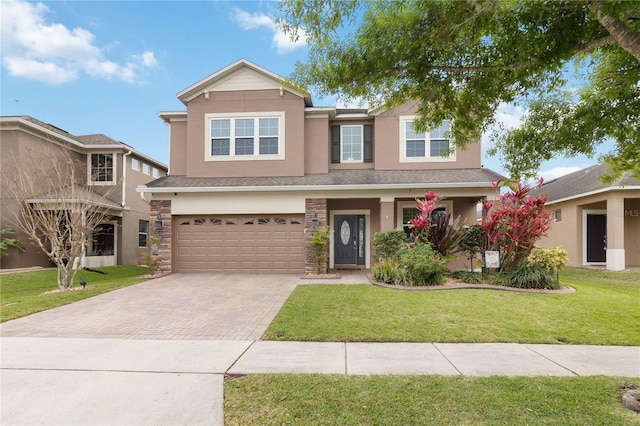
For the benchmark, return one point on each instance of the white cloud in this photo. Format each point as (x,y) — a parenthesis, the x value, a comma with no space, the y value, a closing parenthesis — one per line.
(52,53)
(281,41)
(558,171)
(507,117)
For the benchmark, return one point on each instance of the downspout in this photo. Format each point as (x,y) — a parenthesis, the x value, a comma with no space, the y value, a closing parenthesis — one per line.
(124,177)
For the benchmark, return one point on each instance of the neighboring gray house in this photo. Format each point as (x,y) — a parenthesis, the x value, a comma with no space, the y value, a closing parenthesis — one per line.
(122,238)
(597,224)
(255,166)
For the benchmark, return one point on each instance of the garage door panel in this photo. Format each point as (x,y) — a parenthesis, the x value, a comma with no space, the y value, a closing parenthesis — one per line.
(240,243)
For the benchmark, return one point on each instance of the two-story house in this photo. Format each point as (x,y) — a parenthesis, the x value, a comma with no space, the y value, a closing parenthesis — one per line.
(254,167)
(105,165)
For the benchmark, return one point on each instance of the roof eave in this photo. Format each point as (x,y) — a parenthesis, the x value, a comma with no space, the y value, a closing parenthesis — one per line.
(595,192)
(288,188)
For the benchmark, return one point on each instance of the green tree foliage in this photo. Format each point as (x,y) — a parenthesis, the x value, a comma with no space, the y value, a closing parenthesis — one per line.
(6,243)
(462,59)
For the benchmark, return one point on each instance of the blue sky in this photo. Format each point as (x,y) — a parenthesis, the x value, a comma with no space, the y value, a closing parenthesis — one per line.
(110,66)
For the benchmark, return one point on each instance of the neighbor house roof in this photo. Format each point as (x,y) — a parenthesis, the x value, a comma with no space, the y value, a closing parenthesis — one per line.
(586,182)
(78,194)
(335,179)
(81,143)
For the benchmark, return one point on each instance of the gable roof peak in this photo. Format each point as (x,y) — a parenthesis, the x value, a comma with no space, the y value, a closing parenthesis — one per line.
(226,73)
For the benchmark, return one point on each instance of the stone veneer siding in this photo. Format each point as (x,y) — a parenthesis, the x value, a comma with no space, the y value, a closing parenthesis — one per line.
(313,206)
(163,250)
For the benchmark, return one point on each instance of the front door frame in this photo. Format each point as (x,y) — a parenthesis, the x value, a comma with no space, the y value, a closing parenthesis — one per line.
(584,235)
(332,235)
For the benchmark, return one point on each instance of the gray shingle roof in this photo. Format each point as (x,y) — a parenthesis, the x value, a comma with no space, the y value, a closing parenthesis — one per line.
(339,177)
(582,182)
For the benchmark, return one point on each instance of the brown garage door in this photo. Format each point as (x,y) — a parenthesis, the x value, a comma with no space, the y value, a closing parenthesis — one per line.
(273,243)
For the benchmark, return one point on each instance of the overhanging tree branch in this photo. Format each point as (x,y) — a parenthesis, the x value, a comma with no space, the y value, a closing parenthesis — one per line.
(624,36)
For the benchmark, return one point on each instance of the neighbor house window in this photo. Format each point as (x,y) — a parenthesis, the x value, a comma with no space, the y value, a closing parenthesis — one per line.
(245,136)
(102,169)
(155,173)
(146,169)
(135,164)
(557,215)
(434,145)
(143,233)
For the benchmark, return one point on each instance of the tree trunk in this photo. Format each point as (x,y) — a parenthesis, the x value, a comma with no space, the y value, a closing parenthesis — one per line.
(624,36)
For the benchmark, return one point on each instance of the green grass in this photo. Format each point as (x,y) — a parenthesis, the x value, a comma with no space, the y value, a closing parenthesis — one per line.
(424,400)
(23,293)
(603,311)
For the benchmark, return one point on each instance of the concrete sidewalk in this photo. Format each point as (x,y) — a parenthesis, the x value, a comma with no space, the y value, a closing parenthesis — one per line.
(117,381)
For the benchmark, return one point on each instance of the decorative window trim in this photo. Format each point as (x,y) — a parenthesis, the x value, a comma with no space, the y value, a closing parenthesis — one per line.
(427,157)
(401,205)
(232,156)
(114,169)
(342,129)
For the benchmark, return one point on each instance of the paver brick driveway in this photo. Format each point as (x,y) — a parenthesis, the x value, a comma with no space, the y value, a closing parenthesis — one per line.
(207,306)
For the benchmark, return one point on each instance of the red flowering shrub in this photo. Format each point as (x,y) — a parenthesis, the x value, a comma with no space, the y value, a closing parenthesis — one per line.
(515,226)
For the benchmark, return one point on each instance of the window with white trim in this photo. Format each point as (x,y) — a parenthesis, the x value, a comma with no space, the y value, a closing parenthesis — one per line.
(407,210)
(146,169)
(135,164)
(143,233)
(351,144)
(245,136)
(155,172)
(435,145)
(102,169)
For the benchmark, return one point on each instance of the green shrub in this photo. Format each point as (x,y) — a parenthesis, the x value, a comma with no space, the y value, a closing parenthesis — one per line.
(320,248)
(388,244)
(530,276)
(468,277)
(423,265)
(553,259)
(385,271)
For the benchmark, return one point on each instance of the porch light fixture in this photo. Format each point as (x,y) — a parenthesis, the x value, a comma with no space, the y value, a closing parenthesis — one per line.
(159,223)
(315,222)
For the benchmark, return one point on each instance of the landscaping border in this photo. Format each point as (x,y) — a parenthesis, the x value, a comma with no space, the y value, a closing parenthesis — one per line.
(562,290)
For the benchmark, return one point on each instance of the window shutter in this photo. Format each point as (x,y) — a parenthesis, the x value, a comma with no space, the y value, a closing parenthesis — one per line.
(335,144)
(368,143)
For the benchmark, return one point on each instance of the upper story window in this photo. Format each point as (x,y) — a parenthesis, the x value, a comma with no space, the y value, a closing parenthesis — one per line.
(102,169)
(155,172)
(146,169)
(432,146)
(352,143)
(135,164)
(245,136)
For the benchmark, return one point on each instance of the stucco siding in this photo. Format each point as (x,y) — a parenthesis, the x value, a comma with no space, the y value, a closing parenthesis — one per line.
(246,102)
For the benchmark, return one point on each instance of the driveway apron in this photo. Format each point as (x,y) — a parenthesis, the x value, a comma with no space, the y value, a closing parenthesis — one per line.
(208,306)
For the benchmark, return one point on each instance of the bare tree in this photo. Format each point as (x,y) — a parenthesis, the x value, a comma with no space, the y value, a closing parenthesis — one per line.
(54,205)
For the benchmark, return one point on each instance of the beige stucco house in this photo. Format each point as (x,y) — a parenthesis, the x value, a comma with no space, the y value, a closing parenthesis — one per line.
(255,166)
(123,237)
(597,224)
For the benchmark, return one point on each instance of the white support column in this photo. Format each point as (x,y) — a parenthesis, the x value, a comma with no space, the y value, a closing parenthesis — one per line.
(615,233)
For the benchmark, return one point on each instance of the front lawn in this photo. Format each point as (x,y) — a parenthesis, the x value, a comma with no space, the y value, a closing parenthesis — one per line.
(603,311)
(23,293)
(424,400)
